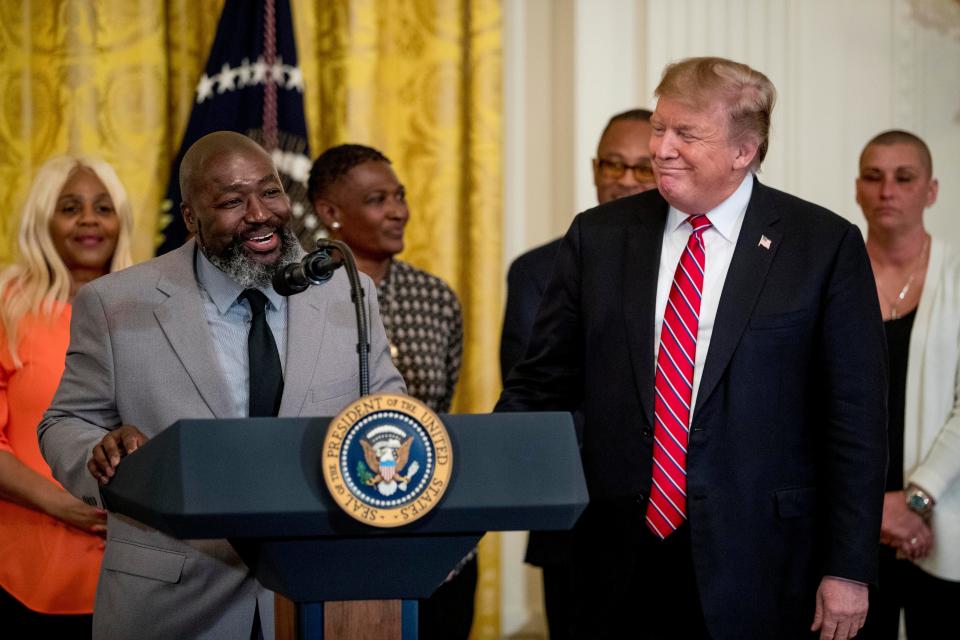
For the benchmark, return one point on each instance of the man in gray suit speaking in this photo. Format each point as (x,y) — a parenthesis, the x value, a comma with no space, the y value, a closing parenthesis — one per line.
(199,333)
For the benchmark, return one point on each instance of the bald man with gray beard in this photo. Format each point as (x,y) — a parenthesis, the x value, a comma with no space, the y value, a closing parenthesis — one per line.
(166,340)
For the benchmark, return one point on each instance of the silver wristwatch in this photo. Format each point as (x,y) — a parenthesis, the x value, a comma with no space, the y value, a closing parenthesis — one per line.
(919,501)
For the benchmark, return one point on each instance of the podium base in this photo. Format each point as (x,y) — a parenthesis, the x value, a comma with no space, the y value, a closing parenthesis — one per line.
(353,620)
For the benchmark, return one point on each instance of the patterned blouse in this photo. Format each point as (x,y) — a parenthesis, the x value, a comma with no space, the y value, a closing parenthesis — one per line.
(421,316)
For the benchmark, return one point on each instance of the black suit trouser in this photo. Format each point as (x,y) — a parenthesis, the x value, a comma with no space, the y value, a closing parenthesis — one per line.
(929,603)
(629,583)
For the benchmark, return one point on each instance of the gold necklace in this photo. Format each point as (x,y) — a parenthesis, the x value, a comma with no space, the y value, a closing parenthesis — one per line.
(921,260)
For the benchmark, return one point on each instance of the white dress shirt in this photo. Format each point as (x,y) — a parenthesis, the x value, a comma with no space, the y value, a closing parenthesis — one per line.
(719,241)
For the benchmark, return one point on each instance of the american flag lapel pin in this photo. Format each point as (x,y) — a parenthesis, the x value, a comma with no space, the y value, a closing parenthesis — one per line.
(764,242)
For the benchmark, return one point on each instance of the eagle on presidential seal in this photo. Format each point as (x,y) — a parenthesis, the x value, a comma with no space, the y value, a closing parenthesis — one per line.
(386,450)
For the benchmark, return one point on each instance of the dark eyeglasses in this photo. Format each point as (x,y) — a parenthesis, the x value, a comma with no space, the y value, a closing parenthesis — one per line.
(614,170)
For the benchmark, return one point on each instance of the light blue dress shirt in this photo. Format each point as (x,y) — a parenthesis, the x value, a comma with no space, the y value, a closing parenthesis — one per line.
(229,320)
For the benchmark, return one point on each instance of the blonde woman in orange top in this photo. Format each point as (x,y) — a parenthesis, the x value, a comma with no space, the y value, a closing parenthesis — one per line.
(75,226)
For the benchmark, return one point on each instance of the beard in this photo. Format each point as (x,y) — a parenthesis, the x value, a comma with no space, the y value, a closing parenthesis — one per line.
(249,273)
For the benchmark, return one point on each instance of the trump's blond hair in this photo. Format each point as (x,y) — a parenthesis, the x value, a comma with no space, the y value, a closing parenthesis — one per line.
(747,94)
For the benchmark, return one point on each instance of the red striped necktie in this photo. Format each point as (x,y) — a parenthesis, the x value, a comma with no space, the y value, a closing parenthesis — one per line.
(673,384)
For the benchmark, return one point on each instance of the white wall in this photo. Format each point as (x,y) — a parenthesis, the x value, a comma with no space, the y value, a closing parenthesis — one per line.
(568,66)
(608,79)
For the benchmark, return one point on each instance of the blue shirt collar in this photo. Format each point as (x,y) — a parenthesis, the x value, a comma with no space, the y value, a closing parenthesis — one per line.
(223,289)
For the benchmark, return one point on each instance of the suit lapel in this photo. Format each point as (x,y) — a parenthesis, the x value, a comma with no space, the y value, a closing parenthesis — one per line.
(745,279)
(183,321)
(643,243)
(305,326)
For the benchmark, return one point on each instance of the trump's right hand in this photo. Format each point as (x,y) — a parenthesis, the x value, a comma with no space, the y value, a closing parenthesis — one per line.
(120,442)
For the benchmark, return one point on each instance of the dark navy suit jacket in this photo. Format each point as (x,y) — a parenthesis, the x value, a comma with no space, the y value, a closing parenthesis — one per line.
(526,281)
(787,450)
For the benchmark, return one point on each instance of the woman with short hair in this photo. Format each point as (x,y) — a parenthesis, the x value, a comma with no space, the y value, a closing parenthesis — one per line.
(918,286)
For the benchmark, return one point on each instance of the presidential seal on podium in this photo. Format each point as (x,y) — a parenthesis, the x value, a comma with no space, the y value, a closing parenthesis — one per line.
(387,460)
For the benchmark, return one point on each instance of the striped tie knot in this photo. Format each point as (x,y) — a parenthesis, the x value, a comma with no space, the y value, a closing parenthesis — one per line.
(700,222)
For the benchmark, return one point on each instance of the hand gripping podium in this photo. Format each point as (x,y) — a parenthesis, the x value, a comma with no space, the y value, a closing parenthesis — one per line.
(259,483)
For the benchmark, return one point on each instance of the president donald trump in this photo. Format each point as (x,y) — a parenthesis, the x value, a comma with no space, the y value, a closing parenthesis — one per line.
(725,346)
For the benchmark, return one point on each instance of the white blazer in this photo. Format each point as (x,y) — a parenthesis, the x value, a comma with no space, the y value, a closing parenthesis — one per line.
(931,439)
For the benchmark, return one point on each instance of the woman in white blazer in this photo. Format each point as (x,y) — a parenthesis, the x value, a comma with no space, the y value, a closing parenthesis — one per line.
(918,287)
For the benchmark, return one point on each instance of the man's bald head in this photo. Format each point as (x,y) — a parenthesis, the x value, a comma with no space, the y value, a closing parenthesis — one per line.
(235,206)
(202,154)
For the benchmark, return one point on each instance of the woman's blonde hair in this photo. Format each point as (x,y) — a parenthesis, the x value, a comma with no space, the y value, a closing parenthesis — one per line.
(39,282)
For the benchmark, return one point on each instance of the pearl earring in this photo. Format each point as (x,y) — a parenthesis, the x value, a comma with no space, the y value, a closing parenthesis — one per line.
(335,226)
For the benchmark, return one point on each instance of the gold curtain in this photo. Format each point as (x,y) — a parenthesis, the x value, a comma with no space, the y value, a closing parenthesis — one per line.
(111,78)
(418,79)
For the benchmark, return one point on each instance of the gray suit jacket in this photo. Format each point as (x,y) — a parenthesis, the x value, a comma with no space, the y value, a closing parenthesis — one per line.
(141,354)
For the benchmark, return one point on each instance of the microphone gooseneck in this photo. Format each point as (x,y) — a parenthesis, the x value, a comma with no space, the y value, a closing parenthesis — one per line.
(316,268)
(356,294)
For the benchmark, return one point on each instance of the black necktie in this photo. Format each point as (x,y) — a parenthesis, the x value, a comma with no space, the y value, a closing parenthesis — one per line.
(266,375)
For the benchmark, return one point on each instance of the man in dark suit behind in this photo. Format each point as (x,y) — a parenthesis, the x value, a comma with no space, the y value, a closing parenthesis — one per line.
(622,168)
(723,342)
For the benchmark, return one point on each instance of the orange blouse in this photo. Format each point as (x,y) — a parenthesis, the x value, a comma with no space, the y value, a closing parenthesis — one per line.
(46,564)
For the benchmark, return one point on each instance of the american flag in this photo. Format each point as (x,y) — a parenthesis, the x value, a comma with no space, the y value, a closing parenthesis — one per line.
(251,84)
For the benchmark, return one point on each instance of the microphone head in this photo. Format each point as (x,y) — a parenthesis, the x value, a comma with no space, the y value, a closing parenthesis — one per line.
(318,266)
(290,280)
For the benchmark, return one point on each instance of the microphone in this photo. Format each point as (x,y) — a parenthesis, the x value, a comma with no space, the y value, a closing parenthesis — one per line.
(315,268)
